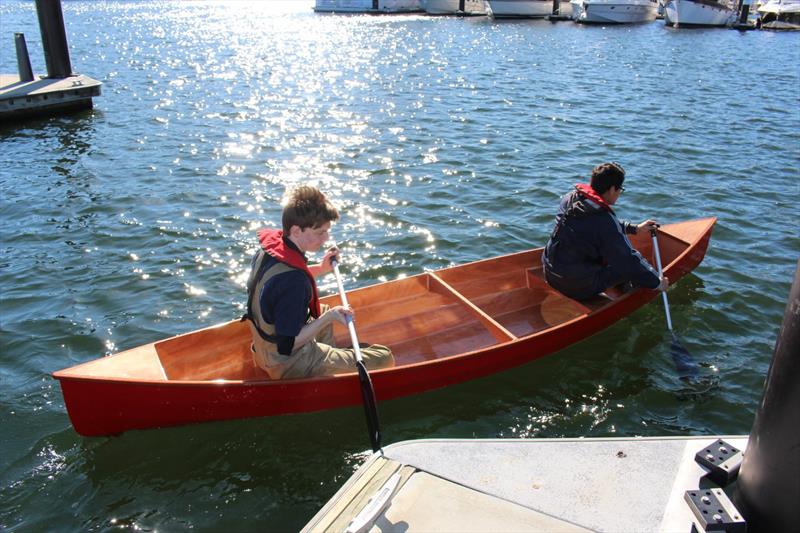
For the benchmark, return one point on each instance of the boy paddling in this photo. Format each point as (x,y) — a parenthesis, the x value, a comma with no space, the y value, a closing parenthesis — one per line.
(292,333)
(588,250)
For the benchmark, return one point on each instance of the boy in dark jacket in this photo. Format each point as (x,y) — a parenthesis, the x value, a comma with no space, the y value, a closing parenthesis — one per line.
(588,250)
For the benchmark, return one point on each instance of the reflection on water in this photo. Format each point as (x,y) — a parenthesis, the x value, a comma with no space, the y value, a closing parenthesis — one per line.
(442,141)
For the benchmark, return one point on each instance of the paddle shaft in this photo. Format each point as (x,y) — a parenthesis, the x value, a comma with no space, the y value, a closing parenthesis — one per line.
(367,390)
(660,274)
(350,325)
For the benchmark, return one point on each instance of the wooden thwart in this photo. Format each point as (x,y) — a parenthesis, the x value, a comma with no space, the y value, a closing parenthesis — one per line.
(499,332)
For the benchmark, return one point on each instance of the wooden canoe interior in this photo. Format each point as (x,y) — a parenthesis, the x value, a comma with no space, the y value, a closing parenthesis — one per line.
(421,318)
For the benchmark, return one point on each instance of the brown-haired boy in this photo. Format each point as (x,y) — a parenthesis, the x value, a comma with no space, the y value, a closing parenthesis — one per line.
(292,333)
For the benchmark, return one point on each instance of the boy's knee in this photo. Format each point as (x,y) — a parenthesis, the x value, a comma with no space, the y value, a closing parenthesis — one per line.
(380,356)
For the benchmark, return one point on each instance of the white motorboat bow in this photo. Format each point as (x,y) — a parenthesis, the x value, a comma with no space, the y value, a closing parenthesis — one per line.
(681,13)
(779,15)
(614,11)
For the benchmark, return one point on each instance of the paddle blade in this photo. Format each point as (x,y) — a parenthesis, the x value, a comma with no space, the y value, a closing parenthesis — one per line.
(370,406)
(684,362)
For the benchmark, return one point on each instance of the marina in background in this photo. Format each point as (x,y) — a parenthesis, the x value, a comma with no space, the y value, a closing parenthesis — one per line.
(736,14)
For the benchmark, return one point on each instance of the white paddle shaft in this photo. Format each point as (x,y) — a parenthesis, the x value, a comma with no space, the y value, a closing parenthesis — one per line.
(663,293)
(350,326)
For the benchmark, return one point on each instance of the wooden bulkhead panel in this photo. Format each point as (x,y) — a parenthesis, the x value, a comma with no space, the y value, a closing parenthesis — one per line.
(220,352)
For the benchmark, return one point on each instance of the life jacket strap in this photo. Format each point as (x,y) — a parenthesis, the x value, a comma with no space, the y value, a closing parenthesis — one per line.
(251,285)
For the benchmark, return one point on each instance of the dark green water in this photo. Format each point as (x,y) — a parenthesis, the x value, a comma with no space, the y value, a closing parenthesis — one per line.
(442,141)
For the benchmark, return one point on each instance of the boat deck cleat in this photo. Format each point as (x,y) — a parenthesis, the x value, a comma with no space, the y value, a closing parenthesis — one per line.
(722,461)
(714,511)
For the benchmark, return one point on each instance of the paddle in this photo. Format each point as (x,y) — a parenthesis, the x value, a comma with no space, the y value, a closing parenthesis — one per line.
(367,392)
(684,363)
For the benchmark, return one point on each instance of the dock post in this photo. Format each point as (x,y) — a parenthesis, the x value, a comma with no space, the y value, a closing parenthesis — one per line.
(23,59)
(744,11)
(54,38)
(768,489)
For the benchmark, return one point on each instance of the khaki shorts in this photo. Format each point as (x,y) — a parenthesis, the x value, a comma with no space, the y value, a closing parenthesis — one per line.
(320,357)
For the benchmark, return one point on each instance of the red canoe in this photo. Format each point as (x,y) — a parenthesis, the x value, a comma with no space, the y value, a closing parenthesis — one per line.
(445,327)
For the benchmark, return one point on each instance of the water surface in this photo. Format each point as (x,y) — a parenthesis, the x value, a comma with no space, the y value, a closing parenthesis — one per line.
(442,140)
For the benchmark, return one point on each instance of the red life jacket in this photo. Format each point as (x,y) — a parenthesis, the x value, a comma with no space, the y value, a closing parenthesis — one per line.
(272,242)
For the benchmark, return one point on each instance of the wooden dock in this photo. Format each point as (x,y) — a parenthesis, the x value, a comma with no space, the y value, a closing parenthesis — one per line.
(44,96)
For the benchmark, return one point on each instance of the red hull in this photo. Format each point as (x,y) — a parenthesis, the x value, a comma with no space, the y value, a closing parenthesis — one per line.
(104,406)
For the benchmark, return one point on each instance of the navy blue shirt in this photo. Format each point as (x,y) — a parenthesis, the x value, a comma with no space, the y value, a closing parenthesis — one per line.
(284,303)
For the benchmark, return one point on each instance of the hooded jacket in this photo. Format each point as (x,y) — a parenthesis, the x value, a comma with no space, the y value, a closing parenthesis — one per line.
(589,251)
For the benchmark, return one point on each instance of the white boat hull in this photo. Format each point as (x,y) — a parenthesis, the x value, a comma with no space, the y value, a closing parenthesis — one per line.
(614,11)
(786,25)
(521,8)
(454,7)
(367,6)
(780,15)
(693,13)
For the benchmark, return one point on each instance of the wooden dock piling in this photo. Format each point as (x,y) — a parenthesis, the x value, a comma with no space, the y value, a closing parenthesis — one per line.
(25,94)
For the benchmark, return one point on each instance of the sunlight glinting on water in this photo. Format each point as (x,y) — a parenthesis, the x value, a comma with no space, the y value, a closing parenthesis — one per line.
(306,76)
(583,414)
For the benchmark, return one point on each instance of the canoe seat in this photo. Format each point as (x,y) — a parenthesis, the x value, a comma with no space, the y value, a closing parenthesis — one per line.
(536,279)
(522,302)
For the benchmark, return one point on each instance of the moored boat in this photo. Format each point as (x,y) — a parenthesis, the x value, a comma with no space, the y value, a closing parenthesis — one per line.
(368,6)
(779,15)
(455,7)
(520,8)
(681,13)
(444,327)
(614,11)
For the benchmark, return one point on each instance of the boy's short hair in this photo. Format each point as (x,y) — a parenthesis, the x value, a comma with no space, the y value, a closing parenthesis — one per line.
(307,207)
(607,175)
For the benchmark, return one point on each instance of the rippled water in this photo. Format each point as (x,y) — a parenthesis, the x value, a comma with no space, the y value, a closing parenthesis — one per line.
(442,140)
